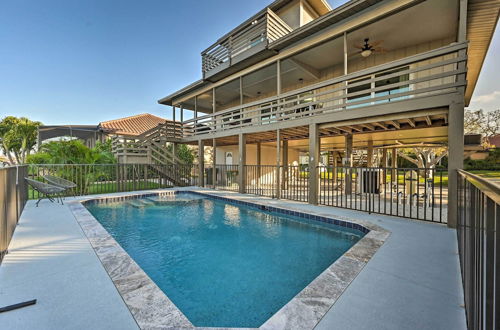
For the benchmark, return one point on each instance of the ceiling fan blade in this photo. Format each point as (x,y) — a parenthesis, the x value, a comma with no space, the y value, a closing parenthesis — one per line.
(380,50)
(358,46)
(376,43)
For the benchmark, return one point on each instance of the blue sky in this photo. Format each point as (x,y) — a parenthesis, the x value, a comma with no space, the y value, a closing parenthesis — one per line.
(82,62)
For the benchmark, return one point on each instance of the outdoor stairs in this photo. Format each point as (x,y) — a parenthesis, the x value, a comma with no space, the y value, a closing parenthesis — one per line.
(153,148)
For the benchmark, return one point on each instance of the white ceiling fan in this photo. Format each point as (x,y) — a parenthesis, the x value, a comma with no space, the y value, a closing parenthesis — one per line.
(368,48)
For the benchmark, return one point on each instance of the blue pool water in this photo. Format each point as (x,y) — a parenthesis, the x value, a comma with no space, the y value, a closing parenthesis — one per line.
(223,265)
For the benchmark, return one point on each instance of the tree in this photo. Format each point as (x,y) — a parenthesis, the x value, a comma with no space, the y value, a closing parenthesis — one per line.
(75,152)
(18,136)
(482,122)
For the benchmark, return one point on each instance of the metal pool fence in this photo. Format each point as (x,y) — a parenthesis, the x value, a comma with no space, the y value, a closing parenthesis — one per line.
(108,178)
(13,196)
(478,245)
(415,193)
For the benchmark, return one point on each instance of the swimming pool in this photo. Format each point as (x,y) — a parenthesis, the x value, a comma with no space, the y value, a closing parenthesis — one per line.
(223,265)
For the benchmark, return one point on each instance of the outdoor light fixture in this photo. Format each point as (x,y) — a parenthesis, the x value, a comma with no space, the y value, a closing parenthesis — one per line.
(366,53)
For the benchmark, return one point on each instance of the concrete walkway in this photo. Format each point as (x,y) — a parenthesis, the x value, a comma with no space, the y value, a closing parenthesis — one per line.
(412,282)
(51,260)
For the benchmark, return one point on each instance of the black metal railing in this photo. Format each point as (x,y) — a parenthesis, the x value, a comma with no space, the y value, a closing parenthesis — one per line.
(261,180)
(479,249)
(416,193)
(109,178)
(13,196)
(226,177)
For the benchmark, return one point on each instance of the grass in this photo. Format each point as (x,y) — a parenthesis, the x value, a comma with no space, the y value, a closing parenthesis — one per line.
(106,188)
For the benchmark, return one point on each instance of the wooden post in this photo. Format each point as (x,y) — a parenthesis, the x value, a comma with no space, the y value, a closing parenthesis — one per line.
(369,154)
(384,165)
(173,120)
(214,161)
(201,164)
(334,167)
(259,163)
(182,122)
(284,171)
(242,162)
(348,164)
(278,163)
(394,165)
(455,157)
(314,148)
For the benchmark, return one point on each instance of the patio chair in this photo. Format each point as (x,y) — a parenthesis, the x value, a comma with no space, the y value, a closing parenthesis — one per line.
(46,190)
(61,183)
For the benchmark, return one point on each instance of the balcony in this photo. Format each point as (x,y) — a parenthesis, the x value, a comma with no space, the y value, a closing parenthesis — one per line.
(433,73)
(249,42)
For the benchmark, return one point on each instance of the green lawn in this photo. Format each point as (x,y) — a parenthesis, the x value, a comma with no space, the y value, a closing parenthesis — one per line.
(105,188)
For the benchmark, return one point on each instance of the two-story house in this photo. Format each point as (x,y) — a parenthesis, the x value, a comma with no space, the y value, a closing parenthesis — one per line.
(300,78)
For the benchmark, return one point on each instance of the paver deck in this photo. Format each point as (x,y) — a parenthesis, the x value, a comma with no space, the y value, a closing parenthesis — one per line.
(412,282)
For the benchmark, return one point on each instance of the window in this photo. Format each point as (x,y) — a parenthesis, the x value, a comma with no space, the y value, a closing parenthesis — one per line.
(400,88)
(396,80)
(360,87)
(229,158)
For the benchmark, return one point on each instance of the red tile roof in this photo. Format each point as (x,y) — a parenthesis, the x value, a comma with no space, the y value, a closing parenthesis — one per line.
(133,125)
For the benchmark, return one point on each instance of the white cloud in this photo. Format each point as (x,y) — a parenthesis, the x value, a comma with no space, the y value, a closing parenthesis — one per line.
(487,98)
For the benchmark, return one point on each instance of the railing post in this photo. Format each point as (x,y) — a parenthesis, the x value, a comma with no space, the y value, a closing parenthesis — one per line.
(314,145)
(242,162)
(278,163)
(201,164)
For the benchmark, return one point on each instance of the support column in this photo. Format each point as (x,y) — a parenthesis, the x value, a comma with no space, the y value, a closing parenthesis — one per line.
(348,163)
(369,154)
(455,157)
(284,171)
(334,167)
(242,162)
(278,163)
(384,165)
(214,162)
(173,122)
(394,164)
(314,147)
(201,164)
(259,163)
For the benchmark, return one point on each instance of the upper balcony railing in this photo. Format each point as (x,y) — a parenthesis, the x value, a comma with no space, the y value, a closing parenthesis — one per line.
(244,42)
(435,72)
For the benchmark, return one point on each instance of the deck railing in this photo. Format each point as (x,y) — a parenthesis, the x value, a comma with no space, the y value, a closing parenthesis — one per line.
(13,196)
(431,73)
(251,35)
(478,244)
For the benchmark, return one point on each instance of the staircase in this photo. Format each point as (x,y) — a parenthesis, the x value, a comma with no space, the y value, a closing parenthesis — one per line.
(155,148)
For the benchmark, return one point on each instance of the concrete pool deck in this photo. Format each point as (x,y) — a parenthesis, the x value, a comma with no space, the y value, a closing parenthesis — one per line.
(413,281)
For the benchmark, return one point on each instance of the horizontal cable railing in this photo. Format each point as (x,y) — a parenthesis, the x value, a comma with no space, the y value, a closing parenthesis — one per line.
(478,238)
(427,74)
(13,196)
(108,178)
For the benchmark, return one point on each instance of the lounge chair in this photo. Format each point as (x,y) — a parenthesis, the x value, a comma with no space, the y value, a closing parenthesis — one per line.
(46,190)
(60,182)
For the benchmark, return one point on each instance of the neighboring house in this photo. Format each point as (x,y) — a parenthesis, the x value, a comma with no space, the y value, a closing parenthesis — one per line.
(132,126)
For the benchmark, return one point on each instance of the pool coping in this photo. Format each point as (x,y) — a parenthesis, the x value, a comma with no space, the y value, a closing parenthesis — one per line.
(152,308)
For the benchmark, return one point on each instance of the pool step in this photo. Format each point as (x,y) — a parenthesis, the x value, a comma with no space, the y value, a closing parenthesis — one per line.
(138,203)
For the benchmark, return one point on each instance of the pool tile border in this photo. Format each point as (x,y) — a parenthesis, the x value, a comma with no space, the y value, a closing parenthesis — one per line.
(151,307)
